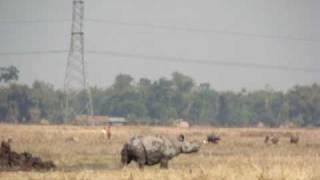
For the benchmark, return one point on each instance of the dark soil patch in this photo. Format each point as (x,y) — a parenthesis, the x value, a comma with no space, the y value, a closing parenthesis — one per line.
(13,161)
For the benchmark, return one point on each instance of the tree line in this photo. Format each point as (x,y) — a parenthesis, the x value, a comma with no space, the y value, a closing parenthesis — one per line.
(162,101)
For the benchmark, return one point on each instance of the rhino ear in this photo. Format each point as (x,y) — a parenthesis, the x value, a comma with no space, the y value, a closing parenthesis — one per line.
(181,138)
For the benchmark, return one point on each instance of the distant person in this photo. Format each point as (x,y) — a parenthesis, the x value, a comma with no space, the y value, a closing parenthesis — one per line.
(109,130)
(106,131)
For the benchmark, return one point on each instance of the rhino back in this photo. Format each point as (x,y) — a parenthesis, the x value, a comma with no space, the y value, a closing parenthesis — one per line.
(154,148)
(171,148)
(158,147)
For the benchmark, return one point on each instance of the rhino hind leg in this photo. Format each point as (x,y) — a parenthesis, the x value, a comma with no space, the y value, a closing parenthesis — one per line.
(164,163)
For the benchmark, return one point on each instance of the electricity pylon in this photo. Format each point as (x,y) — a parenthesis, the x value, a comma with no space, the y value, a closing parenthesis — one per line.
(78,100)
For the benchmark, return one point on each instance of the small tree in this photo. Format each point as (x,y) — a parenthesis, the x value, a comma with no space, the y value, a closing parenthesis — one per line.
(8,74)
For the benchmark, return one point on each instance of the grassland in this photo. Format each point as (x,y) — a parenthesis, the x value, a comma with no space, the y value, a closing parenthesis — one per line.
(241,154)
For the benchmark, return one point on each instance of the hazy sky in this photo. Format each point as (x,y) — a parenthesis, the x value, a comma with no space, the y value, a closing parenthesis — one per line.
(233,37)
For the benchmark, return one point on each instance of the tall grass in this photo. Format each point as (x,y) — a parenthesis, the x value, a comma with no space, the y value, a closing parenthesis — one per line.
(241,154)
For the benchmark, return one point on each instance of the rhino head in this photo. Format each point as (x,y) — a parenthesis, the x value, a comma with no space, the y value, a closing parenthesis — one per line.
(189,147)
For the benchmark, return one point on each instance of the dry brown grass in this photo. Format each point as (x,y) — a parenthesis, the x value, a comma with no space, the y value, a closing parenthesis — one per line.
(241,154)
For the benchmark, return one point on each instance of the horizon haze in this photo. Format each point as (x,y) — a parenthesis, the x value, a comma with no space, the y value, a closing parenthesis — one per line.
(153,39)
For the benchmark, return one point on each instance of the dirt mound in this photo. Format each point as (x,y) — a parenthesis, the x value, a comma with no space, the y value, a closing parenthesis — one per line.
(11,160)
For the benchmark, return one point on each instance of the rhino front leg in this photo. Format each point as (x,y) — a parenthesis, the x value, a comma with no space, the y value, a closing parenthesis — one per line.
(164,163)
(141,165)
(141,159)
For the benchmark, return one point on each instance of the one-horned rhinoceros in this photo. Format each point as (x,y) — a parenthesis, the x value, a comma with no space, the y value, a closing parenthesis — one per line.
(151,150)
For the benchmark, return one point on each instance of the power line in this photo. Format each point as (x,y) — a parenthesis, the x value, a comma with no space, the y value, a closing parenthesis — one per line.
(167,27)
(12,53)
(202,30)
(220,62)
(35,21)
(170,59)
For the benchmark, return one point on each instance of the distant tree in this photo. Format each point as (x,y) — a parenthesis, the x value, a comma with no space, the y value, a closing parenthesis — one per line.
(12,112)
(8,74)
(305,104)
(160,101)
(204,108)
(35,114)
(204,86)
(19,102)
(182,82)
(123,82)
(144,82)
(122,99)
(47,100)
(224,110)
(125,105)
(99,97)
(144,88)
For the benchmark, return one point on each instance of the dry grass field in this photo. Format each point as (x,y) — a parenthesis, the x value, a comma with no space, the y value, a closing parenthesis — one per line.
(241,154)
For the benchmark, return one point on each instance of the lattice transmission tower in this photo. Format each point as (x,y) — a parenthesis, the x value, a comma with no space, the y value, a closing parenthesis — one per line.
(78,101)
